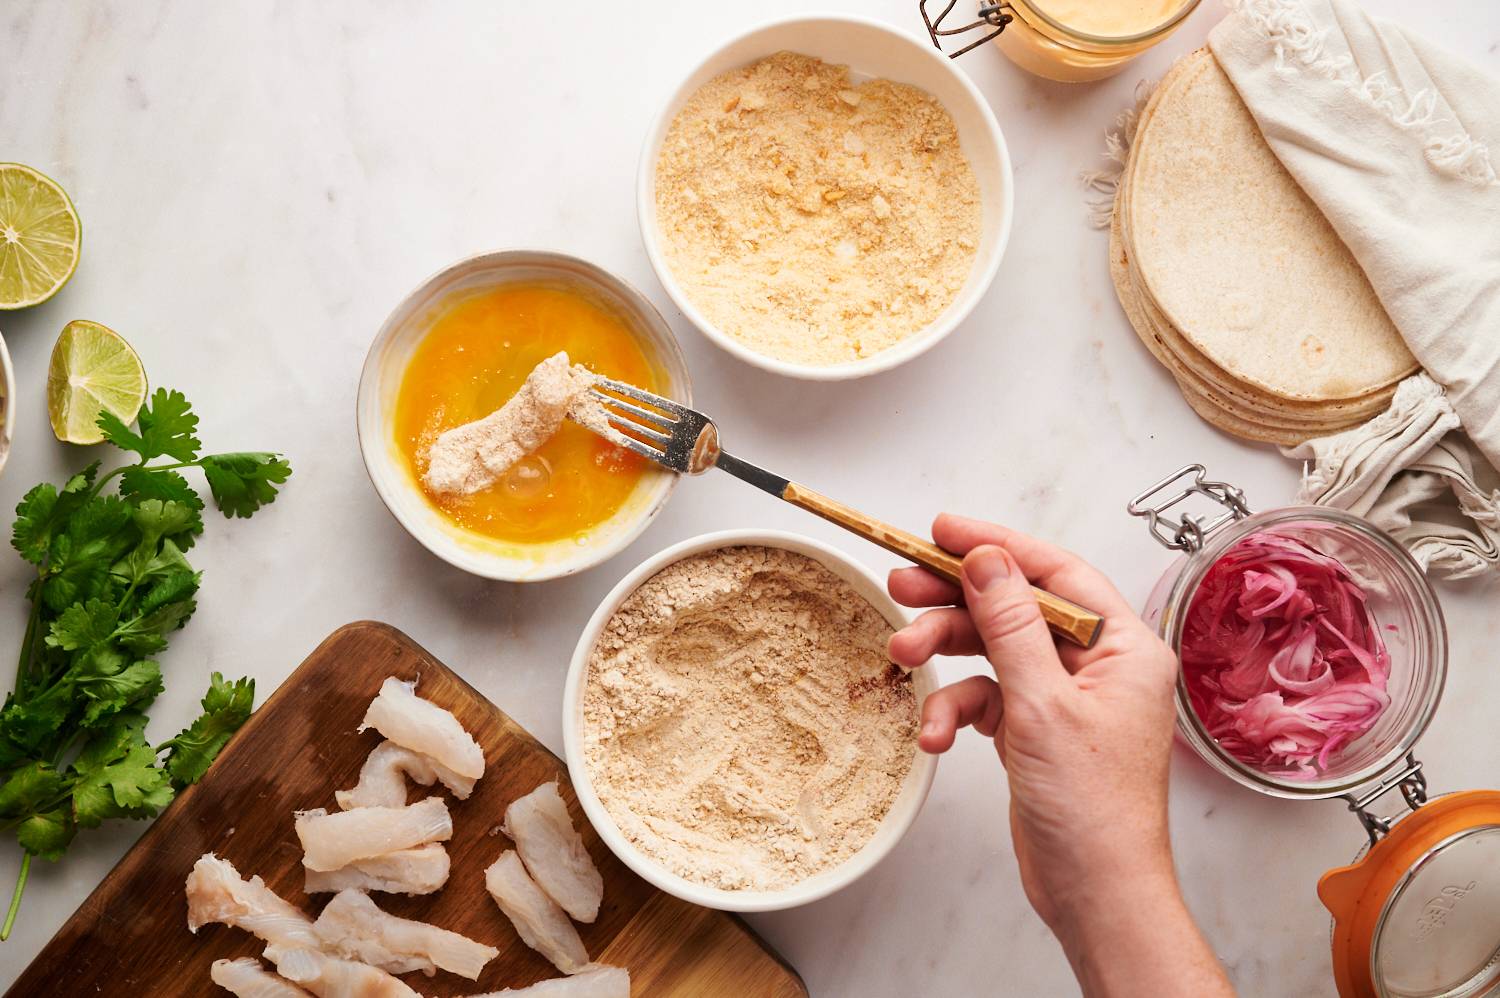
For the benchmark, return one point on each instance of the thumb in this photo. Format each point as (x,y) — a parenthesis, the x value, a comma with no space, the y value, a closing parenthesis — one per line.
(1009,622)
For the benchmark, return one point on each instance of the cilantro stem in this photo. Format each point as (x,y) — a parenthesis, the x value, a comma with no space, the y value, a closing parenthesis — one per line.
(23,665)
(15,898)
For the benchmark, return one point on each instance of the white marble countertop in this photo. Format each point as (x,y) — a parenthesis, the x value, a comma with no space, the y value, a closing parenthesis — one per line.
(259,184)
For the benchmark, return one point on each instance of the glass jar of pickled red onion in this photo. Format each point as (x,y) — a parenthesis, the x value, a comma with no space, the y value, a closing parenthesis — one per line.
(1418,911)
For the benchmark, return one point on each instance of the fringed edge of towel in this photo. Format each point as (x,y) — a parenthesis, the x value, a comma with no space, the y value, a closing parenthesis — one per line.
(1104,183)
(1290,30)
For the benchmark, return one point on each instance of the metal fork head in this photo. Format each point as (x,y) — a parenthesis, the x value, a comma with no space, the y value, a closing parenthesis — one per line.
(677,438)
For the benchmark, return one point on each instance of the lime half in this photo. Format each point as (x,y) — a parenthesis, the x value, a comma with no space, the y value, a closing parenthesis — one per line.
(39,237)
(92,369)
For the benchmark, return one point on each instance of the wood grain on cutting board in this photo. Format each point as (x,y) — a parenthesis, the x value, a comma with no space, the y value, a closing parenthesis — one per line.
(130,937)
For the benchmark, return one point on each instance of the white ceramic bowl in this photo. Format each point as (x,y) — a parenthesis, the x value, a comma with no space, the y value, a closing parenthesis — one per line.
(869,49)
(386,364)
(7,403)
(902,813)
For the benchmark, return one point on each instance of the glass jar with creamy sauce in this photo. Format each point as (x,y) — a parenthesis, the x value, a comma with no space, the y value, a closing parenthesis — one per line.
(1418,911)
(1072,41)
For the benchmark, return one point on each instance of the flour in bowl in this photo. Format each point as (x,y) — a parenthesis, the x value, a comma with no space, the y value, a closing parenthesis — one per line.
(742,723)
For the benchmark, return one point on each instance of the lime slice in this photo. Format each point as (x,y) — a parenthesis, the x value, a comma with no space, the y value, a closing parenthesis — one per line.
(39,237)
(92,369)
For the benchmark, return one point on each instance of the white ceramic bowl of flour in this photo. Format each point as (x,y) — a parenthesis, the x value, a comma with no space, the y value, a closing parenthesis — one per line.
(870,50)
(893,826)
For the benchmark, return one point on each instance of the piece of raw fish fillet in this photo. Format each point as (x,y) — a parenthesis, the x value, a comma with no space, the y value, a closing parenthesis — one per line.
(541,924)
(553,851)
(422,726)
(247,977)
(353,926)
(422,870)
(217,893)
(382,779)
(593,981)
(330,977)
(333,841)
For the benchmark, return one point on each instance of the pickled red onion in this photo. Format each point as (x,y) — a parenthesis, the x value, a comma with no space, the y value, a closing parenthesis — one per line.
(1282,658)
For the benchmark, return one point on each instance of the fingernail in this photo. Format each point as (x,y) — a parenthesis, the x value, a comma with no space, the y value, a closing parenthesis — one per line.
(986,567)
(929,728)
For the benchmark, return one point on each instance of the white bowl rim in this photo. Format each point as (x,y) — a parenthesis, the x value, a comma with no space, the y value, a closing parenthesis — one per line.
(482,564)
(7,403)
(835,879)
(909,348)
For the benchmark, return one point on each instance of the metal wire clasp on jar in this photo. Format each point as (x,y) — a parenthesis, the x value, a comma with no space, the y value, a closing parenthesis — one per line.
(1072,41)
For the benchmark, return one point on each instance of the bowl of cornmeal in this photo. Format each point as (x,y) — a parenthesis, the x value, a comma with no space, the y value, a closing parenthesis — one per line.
(825,197)
(473,411)
(734,728)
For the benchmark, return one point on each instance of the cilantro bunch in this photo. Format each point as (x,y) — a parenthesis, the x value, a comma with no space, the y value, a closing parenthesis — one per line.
(112,582)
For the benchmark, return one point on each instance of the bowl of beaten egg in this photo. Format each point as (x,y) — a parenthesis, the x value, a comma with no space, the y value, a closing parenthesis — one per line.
(825,197)
(457,349)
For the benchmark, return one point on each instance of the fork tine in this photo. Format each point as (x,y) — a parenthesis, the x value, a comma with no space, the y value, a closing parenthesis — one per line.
(641,395)
(646,415)
(646,451)
(631,427)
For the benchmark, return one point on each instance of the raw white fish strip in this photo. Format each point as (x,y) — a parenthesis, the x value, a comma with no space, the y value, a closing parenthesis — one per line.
(553,851)
(594,981)
(354,927)
(333,841)
(541,924)
(217,893)
(330,977)
(422,726)
(382,779)
(247,977)
(423,870)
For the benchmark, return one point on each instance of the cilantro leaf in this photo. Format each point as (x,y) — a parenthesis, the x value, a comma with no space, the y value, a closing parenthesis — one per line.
(244,482)
(134,686)
(226,706)
(168,426)
(32,533)
(42,509)
(47,835)
(98,532)
(29,788)
(132,786)
(117,775)
(140,483)
(84,625)
(118,433)
(32,722)
(175,586)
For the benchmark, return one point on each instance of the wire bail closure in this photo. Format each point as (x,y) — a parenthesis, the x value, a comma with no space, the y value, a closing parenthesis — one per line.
(1186,532)
(1412,783)
(991,14)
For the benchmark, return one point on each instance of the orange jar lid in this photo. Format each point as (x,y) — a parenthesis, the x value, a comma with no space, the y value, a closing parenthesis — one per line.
(1419,913)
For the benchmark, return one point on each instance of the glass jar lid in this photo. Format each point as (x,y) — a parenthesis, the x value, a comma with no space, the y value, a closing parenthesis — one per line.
(1418,915)
(1440,931)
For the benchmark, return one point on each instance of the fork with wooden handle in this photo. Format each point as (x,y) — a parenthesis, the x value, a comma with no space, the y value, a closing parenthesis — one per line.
(686,441)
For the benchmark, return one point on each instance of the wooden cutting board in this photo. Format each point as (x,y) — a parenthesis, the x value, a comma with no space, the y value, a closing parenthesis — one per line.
(130,937)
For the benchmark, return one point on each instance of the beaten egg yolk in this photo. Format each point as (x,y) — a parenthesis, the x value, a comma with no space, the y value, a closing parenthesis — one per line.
(473,359)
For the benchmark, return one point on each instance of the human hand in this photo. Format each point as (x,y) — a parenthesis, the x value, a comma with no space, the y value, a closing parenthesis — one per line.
(1085,734)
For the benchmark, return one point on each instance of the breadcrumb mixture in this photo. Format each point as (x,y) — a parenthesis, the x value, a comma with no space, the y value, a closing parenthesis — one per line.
(742,723)
(813,219)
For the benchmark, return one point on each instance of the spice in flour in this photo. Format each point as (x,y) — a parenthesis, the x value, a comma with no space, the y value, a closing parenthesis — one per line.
(742,723)
(813,219)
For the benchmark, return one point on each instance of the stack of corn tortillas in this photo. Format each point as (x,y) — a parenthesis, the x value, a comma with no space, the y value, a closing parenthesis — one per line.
(1235,281)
